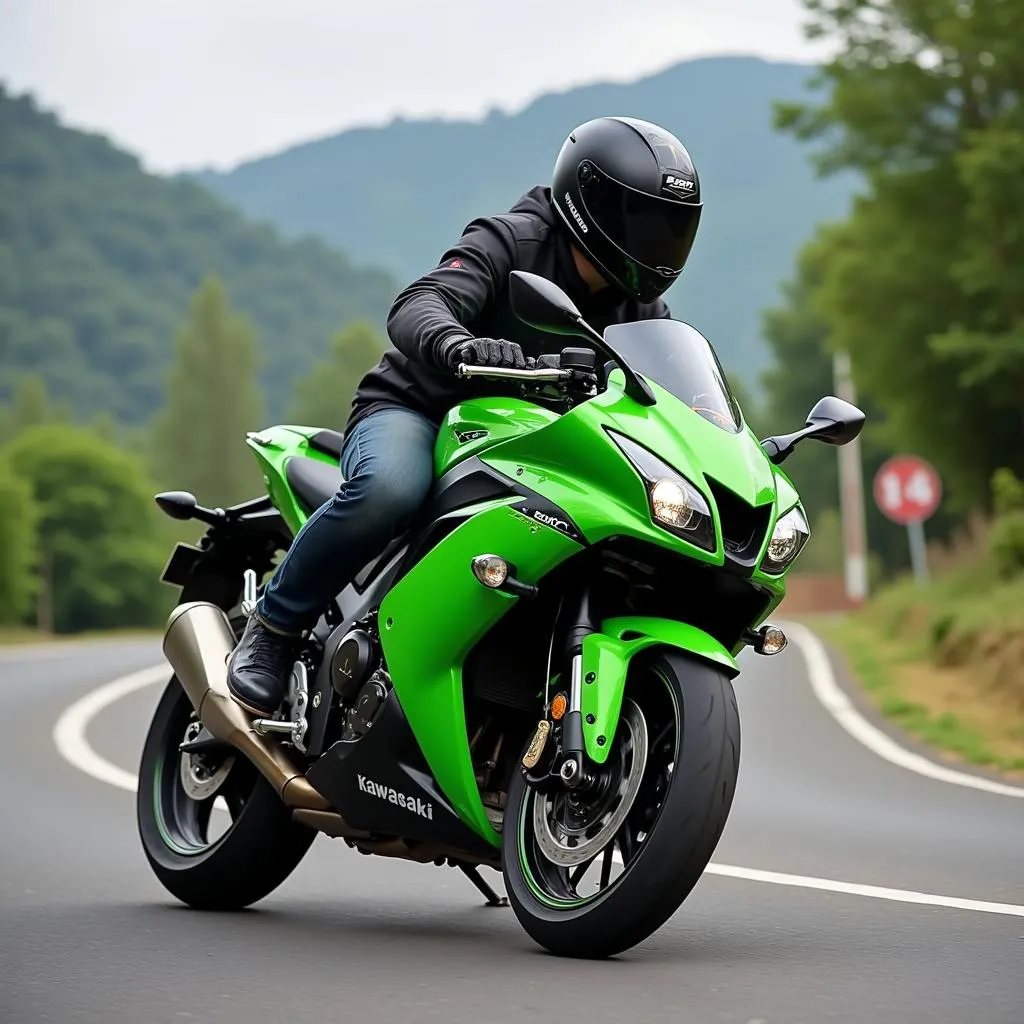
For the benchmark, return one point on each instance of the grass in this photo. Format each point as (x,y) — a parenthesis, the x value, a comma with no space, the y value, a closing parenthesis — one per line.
(13,635)
(946,663)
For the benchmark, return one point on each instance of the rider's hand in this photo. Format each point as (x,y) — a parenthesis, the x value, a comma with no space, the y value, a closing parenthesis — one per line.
(486,352)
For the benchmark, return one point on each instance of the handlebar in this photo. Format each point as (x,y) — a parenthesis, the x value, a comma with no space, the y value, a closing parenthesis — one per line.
(509,373)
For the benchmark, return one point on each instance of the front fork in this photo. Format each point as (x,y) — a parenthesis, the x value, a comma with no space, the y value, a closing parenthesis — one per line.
(557,750)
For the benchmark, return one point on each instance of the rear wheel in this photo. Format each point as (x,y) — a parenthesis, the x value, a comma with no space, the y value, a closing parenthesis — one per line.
(214,831)
(593,874)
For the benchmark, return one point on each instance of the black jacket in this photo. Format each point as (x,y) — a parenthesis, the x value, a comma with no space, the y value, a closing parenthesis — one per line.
(466,295)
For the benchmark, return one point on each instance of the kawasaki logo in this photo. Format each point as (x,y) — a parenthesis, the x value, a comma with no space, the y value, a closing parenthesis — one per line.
(575,213)
(409,803)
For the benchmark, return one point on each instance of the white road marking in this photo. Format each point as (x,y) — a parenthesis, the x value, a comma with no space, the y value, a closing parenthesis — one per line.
(69,736)
(839,706)
(871,891)
(69,732)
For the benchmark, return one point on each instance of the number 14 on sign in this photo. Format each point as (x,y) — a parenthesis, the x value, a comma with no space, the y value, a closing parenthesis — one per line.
(908,491)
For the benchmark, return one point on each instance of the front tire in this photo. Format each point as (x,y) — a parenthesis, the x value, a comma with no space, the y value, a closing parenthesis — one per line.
(659,811)
(261,845)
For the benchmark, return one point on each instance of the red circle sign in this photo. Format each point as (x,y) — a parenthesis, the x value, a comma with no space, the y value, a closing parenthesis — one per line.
(907,489)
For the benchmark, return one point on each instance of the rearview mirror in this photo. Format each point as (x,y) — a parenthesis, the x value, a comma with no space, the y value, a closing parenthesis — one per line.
(177,504)
(831,421)
(542,304)
(834,421)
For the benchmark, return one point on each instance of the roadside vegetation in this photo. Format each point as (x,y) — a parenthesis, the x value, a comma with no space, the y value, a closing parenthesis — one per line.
(946,662)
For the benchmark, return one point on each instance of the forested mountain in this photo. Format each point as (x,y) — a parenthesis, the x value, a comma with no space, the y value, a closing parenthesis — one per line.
(398,195)
(98,260)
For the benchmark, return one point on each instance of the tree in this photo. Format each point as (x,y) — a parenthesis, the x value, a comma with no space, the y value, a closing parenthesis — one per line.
(99,536)
(212,400)
(30,407)
(17,545)
(322,398)
(922,283)
(98,258)
(801,373)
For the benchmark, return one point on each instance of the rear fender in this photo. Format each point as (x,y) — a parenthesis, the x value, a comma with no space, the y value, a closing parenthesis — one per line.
(606,658)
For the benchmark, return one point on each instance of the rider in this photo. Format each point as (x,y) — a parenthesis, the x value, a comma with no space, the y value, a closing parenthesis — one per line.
(613,231)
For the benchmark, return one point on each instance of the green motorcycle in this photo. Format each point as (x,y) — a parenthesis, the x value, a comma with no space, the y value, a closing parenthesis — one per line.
(537,678)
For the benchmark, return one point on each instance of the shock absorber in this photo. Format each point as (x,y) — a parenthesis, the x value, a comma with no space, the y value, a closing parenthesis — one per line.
(572,771)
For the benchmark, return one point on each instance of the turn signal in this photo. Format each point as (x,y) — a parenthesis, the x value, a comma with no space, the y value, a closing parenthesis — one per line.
(558,706)
(767,640)
(773,640)
(490,570)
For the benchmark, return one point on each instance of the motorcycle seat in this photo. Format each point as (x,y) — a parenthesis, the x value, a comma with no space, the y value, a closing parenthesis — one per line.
(312,481)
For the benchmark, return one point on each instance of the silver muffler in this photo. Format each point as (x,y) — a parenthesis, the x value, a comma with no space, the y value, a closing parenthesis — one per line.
(197,643)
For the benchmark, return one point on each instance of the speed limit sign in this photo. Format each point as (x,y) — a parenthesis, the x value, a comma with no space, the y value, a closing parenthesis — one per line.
(908,491)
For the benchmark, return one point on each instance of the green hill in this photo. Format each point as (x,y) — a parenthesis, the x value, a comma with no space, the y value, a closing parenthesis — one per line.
(98,259)
(397,195)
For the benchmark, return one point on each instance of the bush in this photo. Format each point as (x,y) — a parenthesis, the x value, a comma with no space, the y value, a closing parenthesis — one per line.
(1007,493)
(941,626)
(1006,541)
(99,537)
(1007,544)
(18,515)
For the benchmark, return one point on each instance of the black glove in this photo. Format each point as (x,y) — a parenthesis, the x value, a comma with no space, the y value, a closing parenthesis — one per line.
(485,352)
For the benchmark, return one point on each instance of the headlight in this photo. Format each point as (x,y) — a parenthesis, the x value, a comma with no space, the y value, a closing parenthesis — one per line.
(788,538)
(675,503)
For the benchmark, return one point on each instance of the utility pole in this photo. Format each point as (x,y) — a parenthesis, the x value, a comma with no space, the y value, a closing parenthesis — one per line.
(851,493)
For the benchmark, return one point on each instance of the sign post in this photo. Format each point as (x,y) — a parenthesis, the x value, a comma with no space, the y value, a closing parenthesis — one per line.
(851,493)
(908,490)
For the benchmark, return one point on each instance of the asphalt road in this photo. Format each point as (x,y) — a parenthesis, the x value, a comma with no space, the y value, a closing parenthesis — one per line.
(87,934)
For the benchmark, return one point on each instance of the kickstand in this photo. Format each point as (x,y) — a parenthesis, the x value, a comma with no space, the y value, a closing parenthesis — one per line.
(493,899)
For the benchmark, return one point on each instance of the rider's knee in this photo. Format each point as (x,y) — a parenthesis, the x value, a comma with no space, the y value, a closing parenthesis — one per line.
(391,499)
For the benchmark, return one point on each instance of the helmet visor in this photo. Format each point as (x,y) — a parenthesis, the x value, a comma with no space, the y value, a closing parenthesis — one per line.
(654,232)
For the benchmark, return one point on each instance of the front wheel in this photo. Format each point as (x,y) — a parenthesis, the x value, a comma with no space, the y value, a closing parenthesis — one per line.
(593,874)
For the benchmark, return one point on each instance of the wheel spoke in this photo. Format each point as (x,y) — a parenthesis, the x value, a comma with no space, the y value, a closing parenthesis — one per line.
(203,811)
(625,841)
(577,874)
(233,795)
(606,865)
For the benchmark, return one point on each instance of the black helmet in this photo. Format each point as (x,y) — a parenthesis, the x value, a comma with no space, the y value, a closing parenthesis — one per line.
(629,194)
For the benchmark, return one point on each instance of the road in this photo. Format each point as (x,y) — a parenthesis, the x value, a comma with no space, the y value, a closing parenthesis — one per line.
(88,935)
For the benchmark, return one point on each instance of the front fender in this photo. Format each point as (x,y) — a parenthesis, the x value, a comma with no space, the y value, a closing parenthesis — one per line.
(606,658)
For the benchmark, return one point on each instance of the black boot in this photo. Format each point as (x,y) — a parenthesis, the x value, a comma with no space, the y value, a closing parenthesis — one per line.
(259,667)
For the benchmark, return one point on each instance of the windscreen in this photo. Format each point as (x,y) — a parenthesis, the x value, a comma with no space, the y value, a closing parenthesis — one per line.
(679,358)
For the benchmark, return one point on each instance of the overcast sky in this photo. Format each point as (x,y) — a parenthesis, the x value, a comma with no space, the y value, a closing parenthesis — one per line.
(189,83)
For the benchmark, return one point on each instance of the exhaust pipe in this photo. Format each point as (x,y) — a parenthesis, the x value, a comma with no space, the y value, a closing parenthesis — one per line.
(197,643)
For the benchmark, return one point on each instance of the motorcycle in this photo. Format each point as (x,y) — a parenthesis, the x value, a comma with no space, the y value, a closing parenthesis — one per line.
(537,678)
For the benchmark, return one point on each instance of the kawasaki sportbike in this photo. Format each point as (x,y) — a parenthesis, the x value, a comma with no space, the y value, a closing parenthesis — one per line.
(537,678)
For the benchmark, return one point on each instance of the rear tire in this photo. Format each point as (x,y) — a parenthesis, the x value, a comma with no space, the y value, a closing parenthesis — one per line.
(261,846)
(673,818)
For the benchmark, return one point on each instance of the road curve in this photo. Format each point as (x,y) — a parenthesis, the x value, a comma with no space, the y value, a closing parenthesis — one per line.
(88,935)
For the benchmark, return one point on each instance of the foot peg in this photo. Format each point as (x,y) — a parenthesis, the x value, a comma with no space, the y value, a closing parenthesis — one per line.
(295,725)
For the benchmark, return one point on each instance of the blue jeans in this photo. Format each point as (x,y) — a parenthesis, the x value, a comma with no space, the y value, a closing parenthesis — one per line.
(388,465)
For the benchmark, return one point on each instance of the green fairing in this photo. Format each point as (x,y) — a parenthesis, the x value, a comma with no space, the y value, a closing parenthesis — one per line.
(430,621)
(274,446)
(498,419)
(570,462)
(606,658)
